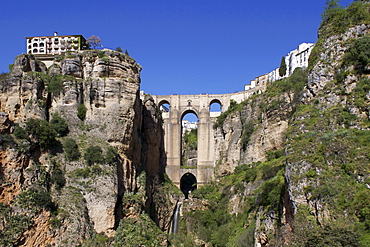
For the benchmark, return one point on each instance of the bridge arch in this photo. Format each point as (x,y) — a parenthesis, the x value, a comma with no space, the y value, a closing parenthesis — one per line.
(187,111)
(215,108)
(164,105)
(188,183)
(217,101)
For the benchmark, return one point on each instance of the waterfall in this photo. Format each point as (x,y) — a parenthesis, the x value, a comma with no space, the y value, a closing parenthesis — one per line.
(176,218)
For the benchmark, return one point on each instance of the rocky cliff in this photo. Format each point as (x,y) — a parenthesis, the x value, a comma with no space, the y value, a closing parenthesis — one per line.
(292,162)
(96,94)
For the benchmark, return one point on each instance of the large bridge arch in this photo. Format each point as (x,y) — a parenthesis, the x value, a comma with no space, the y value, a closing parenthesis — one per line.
(200,105)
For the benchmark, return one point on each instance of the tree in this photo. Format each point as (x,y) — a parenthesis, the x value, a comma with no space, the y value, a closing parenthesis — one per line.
(81,112)
(41,130)
(94,154)
(59,124)
(331,11)
(282,70)
(119,49)
(94,41)
(70,148)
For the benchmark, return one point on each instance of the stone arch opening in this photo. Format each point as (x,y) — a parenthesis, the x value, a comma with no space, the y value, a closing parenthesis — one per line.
(189,139)
(215,105)
(164,106)
(188,183)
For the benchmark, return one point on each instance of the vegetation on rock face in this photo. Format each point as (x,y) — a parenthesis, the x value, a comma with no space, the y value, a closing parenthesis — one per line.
(189,146)
(358,54)
(216,225)
(59,124)
(141,231)
(70,148)
(42,131)
(94,154)
(13,225)
(336,20)
(81,112)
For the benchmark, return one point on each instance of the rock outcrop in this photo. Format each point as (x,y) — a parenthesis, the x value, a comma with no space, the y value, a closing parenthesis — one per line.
(98,94)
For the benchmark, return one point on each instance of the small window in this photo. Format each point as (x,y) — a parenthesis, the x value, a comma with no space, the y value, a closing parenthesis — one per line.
(35,45)
(34,51)
(42,44)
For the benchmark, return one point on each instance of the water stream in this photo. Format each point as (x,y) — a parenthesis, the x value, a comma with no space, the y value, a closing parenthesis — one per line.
(176,218)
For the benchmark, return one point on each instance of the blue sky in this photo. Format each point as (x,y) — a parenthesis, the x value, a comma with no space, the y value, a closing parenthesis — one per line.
(184,47)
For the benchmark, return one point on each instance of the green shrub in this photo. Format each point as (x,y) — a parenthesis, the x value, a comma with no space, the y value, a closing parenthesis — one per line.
(274,154)
(111,155)
(270,193)
(251,175)
(358,54)
(328,236)
(70,148)
(35,198)
(20,133)
(247,131)
(191,139)
(59,124)
(138,232)
(12,225)
(58,178)
(42,131)
(234,106)
(81,172)
(97,240)
(94,154)
(55,85)
(81,112)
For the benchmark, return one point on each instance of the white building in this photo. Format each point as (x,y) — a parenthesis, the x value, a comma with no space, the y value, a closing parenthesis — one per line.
(298,58)
(274,75)
(53,45)
(187,125)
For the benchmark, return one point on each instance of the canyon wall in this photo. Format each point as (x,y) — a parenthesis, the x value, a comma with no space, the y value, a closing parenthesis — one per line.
(97,93)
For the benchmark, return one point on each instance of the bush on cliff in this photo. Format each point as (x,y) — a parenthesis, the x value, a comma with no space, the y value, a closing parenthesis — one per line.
(81,112)
(59,124)
(70,148)
(358,54)
(94,154)
(42,132)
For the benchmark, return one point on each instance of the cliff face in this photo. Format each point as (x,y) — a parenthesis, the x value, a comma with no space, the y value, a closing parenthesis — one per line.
(297,153)
(97,94)
(248,133)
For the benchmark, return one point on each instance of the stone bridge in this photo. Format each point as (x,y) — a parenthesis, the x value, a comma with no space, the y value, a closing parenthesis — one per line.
(175,107)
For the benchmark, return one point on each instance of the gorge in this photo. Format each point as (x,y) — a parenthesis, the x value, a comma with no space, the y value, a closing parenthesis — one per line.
(84,158)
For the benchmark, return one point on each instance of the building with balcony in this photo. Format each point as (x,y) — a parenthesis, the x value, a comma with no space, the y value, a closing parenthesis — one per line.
(54,45)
